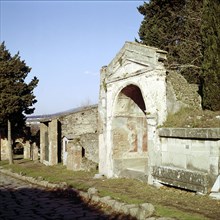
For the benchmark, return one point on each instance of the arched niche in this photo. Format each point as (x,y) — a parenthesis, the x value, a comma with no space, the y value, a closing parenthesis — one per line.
(129,132)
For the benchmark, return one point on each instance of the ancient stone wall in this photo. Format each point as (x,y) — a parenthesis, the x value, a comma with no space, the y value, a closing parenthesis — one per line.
(190,158)
(82,125)
(180,93)
(24,146)
(50,153)
(44,142)
(80,122)
(4,148)
(59,134)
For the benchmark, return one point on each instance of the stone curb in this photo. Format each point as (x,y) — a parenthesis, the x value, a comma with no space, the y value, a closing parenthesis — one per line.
(141,212)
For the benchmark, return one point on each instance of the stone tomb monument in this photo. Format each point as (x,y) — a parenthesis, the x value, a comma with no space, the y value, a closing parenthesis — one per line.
(132,104)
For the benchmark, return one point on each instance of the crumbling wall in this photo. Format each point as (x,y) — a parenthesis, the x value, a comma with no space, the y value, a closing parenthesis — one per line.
(82,125)
(180,93)
(79,122)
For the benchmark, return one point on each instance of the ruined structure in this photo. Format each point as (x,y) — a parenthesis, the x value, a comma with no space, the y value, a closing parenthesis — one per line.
(124,133)
(190,158)
(136,94)
(70,138)
(132,104)
(22,144)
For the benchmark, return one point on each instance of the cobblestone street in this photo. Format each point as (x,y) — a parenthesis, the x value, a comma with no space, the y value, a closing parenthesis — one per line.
(21,200)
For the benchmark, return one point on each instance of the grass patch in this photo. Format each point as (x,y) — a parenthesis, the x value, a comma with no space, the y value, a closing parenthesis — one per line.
(120,197)
(193,118)
(177,214)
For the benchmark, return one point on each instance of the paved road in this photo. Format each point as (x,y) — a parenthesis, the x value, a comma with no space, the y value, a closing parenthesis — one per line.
(21,200)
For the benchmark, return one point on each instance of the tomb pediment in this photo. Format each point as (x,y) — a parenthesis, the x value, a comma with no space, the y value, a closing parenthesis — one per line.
(134,59)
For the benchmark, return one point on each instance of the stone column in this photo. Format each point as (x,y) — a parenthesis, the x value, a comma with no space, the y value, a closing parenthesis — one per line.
(27,150)
(43,130)
(154,158)
(53,140)
(102,122)
(74,157)
(34,152)
(4,149)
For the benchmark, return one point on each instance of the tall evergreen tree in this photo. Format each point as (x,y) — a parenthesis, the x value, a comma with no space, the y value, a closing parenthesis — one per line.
(174,26)
(17,96)
(211,54)
(190,32)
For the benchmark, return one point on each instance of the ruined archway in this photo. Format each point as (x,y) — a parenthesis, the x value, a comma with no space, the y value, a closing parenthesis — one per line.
(129,133)
(132,104)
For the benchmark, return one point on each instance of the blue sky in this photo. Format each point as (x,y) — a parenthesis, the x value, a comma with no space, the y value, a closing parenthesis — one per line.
(66,43)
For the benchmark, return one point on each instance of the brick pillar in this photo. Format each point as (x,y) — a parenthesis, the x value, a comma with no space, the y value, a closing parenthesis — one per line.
(74,157)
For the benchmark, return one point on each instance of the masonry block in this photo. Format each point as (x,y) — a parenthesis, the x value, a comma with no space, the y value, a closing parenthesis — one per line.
(186,179)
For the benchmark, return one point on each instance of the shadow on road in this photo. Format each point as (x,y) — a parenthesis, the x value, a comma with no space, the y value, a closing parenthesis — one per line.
(33,203)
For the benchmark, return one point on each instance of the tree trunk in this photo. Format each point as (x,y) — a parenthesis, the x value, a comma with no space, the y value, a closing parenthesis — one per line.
(0,145)
(10,153)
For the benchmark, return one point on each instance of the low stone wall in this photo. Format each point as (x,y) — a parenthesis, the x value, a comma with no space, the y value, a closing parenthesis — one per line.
(186,179)
(190,158)
(191,133)
(89,142)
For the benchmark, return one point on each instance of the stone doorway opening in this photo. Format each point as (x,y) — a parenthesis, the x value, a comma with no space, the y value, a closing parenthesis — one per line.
(129,134)
(18,150)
